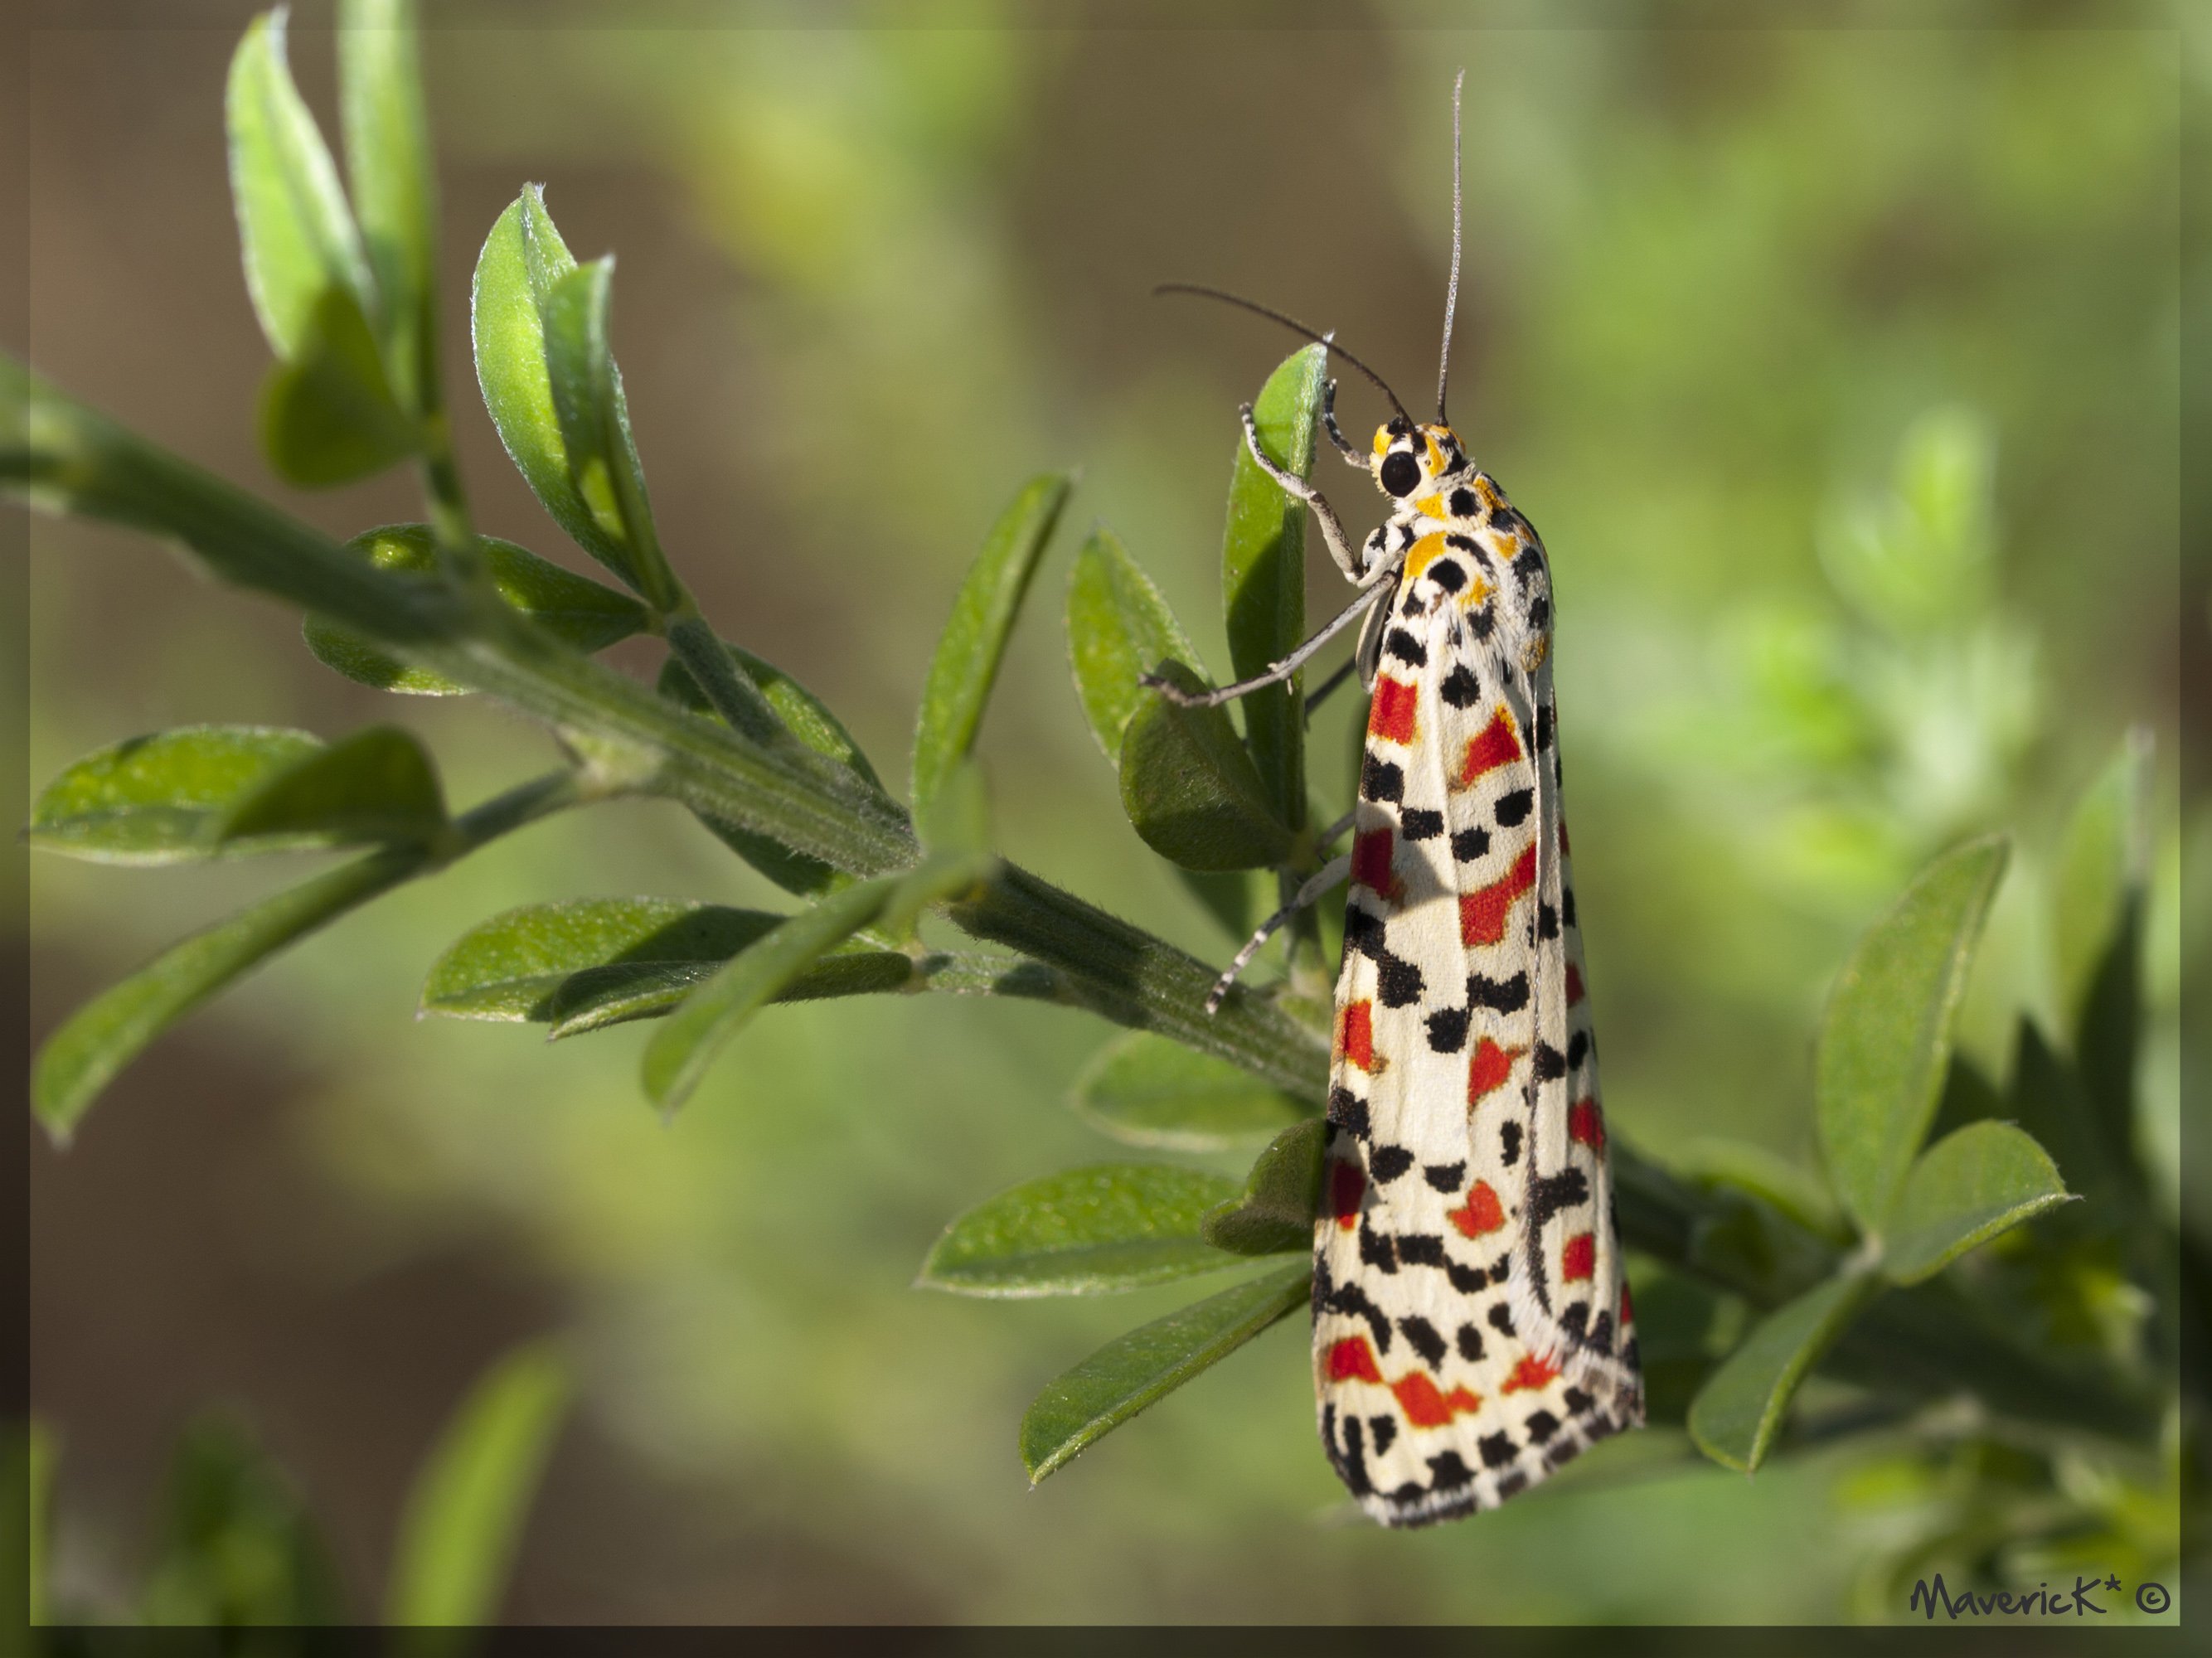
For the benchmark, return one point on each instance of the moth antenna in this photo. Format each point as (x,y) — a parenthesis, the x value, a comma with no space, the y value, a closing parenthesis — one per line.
(1326,341)
(1451,292)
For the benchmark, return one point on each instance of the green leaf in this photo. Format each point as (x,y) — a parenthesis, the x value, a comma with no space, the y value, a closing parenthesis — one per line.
(2046,1096)
(27,1475)
(467,1507)
(328,412)
(1884,1040)
(1147,1090)
(108,1032)
(1145,1366)
(377,785)
(1088,1231)
(295,230)
(157,800)
(1281,1197)
(1118,625)
(2102,864)
(966,664)
(1737,1413)
(387,147)
(587,400)
(589,963)
(238,1548)
(810,720)
(682,1049)
(553,393)
(1968,1187)
(1191,790)
(1263,584)
(574,609)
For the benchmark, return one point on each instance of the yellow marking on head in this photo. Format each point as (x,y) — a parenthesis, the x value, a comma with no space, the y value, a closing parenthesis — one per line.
(1422,553)
(1382,441)
(1432,505)
(1436,455)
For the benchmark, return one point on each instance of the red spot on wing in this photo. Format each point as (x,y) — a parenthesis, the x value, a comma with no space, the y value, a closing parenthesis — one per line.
(1563,837)
(1480,1215)
(1579,1258)
(1371,862)
(1353,1360)
(1530,1372)
(1487,1071)
(1627,1305)
(1482,913)
(1391,715)
(1574,984)
(1586,1123)
(1496,745)
(1425,1407)
(1347,1185)
(1355,1034)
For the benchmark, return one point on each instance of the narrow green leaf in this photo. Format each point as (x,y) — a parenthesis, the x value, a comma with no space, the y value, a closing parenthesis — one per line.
(566,441)
(470,1501)
(1282,1195)
(577,610)
(2101,864)
(238,1548)
(377,785)
(807,716)
(388,149)
(329,415)
(108,1032)
(1263,583)
(157,800)
(26,1528)
(1118,625)
(1087,1231)
(1884,1040)
(1968,1187)
(1147,1090)
(966,664)
(1150,1362)
(295,230)
(588,399)
(1191,790)
(586,963)
(1737,1413)
(682,1049)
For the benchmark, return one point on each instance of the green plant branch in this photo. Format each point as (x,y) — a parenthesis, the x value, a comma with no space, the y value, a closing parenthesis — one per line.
(79,1059)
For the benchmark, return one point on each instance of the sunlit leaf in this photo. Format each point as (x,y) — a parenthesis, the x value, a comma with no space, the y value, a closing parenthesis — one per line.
(1147,1090)
(388,152)
(1968,1187)
(1191,790)
(574,609)
(377,785)
(965,666)
(328,412)
(466,1510)
(158,799)
(1736,1415)
(1118,1226)
(1282,1194)
(1885,1039)
(1118,625)
(1143,1367)
(1263,585)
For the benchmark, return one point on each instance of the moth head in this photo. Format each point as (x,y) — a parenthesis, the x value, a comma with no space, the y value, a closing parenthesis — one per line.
(1409,459)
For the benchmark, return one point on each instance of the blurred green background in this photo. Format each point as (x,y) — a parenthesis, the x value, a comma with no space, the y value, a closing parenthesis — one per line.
(1839,369)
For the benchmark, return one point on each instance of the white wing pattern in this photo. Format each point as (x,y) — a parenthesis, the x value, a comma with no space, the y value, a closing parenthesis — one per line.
(1472,1327)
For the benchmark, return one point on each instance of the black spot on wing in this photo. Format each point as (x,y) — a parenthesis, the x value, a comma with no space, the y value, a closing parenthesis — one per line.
(1461,687)
(1462,503)
(1513,806)
(1447,574)
(1398,982)
(1351,1300)
(1469,844)
(1549,1195)
(1447,1472)
(1408,649)
(1445,1176)
(1501,1319)
(1469,1341)
(1418,824)
(1382,779)
(1509,1142)
(1503,995)
(1550,1066)
(1541,1426)
(1386,1162)
(1577,1049)
(1421,1249)
(1374,1249)
(1448,1030)
(1348,1112)
(1385,1431)
(1496,1449)
(1465,1279)
(1547,922)
(1529,564)
(1424,1339)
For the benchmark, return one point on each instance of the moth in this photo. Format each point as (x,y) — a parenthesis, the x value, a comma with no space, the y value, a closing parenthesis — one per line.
(1472,1328)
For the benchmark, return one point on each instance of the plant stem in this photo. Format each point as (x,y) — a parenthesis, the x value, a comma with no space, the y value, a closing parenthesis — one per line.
(732,693)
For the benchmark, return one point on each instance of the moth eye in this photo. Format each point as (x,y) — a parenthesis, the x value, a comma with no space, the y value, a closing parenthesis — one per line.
(1400,473)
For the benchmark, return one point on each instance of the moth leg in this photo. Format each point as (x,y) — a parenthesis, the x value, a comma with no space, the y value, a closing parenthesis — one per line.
(1331,874)
(1331,531)
(1279,672)
(1352,456)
